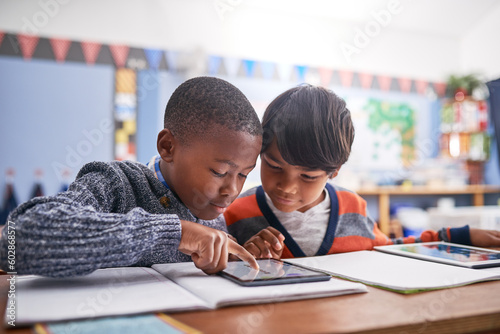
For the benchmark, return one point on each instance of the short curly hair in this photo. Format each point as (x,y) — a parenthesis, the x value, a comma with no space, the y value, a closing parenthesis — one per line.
(201,102)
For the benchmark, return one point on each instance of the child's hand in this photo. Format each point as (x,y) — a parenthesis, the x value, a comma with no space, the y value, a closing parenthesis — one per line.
(209,248)
(268,243)
(484,238)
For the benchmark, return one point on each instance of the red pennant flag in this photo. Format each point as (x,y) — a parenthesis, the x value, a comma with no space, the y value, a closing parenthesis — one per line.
(28,44)
(120,54)
(421,86)
(2,34)
(384,82)
(346,78)
(90,51)
(325,75)
(60,47)
(366,80)
(440,88)
(404,84)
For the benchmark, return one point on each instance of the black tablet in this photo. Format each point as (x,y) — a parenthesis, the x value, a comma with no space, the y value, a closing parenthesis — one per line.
(444,252)
(270,272)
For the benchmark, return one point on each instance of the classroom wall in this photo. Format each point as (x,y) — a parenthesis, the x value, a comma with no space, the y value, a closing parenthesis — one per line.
(245,31)
(53,117)
(59,104)
(479,51)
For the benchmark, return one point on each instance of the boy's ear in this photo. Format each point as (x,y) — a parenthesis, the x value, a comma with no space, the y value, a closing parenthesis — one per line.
(166,144)
(334,174)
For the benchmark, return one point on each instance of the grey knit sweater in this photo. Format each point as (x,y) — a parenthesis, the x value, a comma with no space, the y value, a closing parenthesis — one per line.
(111,216)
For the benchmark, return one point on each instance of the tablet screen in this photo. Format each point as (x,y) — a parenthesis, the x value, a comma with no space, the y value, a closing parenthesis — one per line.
(452,252)
(270,272)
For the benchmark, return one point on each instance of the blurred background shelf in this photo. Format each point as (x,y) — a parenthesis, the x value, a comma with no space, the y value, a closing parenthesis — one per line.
(385,192)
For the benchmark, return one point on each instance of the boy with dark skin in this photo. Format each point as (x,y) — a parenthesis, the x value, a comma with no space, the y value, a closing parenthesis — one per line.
(126,213)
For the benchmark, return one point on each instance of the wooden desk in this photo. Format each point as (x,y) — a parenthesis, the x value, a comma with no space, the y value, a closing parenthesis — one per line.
(472,308)
(384,193)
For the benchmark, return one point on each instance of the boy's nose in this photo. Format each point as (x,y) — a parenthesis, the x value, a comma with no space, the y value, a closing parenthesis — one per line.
(287,185)
(230,188)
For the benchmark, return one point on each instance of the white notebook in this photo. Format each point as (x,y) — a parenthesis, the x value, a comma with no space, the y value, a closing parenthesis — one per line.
(397,273)
(165,287)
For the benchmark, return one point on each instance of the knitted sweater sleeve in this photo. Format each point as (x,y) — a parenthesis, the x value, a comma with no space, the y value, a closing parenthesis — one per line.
(84,229)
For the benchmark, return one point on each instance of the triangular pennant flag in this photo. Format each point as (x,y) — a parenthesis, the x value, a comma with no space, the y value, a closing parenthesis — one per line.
(384,82)
(9,203)
(440,88)
(301,72)
(37,189)
(2,34)
(65,178)
(60,48)
(284,71)
(249,67)
(90,51)
(346,78)
(214,64)
(120,54)
(172,58)
(154,57)
(421,86)
(325,75)
(404,84)
(10,200)
(28,44)
(365,79)
(232,66)
(267,68)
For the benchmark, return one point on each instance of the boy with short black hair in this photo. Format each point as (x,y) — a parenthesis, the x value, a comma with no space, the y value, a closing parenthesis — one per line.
(308,135)
(129,214)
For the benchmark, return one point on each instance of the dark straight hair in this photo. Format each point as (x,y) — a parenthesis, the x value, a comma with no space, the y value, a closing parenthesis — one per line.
(312,128)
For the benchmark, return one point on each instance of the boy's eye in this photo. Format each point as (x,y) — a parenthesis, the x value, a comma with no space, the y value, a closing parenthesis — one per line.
(309,177)
(272,166)
(243,175)
(217,174)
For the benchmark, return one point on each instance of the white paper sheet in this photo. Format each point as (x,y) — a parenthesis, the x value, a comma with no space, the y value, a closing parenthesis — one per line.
(105,292)
(399,273)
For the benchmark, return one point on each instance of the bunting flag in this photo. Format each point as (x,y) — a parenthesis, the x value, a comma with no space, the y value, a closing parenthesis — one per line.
(268,69)
(366,80)
(232,66)
(404,85)
(65,176)
(172,59)
(28,44)
(249,66)
(154,57)
(214,63)
(421,86)
(325,75)
(37,188)
(285,71)
(440,88)
(123,56)
(301,72)
(119,54)
(90,51)
(384,82)
(10,199)
(60,48)
(346,78)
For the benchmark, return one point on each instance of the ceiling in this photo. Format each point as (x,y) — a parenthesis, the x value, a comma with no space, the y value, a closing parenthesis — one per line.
(451,18)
